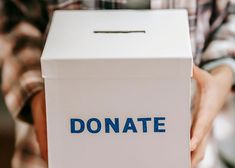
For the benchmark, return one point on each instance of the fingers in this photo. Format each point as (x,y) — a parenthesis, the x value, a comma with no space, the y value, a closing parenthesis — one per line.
(199,130)
(42,135)
(201,121)
(195,105)
(203,114)
(39,115)
(198,154)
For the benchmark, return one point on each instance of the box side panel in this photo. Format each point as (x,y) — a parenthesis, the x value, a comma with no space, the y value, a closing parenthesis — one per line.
(117,68)
(122,99)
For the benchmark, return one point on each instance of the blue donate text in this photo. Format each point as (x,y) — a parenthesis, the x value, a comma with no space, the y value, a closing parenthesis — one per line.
(95,125)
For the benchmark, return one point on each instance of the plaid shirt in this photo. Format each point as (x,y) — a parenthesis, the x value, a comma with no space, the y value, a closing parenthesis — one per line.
(212,30)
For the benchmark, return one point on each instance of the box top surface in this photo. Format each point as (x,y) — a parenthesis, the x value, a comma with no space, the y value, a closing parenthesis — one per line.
(118,34)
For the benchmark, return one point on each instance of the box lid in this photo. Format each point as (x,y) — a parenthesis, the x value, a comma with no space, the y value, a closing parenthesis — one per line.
(104,43)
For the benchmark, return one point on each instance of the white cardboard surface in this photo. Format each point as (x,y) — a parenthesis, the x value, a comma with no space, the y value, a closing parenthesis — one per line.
(118,75)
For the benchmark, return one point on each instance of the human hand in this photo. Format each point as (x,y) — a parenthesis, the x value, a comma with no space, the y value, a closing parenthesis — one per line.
(39,116)
(212,91)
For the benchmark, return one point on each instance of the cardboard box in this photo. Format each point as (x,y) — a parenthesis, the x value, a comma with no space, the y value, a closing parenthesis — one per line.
(118,89)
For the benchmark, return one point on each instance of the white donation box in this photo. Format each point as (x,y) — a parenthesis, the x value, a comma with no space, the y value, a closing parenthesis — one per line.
(118,89)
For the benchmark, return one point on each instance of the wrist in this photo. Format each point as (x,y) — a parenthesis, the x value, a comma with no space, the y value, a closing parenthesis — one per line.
(223,74)
(222,70)
(225,64)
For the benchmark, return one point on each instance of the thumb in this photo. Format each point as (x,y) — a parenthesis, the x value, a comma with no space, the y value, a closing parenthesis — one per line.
(200,129)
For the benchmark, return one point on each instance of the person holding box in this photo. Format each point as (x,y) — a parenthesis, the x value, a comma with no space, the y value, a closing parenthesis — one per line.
(23,27)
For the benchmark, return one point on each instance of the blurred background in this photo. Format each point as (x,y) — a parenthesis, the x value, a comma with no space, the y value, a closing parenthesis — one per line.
(220,152)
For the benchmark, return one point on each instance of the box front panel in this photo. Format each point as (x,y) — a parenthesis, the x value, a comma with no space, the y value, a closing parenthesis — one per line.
(134,123)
